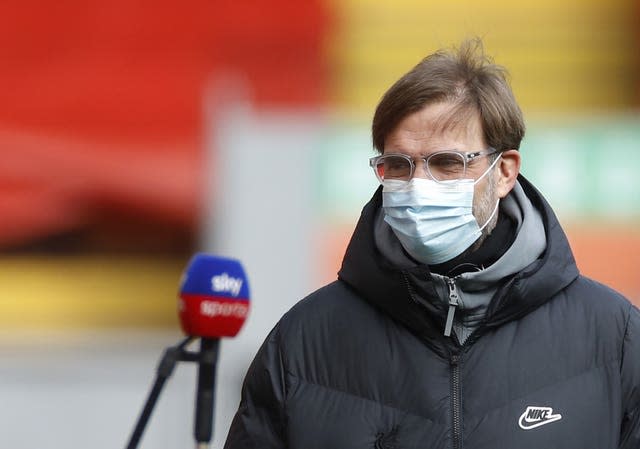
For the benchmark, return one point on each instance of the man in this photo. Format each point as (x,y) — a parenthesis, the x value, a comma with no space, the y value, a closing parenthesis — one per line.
(459,319)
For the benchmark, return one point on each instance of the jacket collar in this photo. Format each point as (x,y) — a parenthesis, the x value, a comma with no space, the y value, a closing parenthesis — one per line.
(404,289)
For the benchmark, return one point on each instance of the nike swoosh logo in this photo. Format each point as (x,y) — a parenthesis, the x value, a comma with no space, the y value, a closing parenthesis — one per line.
(534,417)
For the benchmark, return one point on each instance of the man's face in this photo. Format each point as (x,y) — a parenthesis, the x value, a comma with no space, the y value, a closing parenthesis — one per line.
(421,134)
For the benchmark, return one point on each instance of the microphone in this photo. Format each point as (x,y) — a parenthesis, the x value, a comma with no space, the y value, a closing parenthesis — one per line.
(214,297)
(213,303)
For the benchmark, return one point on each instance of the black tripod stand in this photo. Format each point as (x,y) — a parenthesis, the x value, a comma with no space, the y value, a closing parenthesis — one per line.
(206,358)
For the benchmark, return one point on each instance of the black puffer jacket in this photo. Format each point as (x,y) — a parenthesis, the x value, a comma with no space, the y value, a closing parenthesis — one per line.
(363,363)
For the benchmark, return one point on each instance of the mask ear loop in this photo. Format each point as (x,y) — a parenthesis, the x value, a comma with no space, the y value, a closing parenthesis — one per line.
(495,209)
(493,164)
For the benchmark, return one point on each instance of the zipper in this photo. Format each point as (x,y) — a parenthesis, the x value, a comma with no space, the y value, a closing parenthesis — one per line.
(456,401)
(454,360)
(454,301)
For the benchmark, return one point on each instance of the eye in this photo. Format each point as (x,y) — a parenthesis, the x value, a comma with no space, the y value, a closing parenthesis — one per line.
(446,162)
(446,165)
(395,167)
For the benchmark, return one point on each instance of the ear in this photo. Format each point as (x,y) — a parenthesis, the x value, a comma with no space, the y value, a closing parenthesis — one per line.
(508,168)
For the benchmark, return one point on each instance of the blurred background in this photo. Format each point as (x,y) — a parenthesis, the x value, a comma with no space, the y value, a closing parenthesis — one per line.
(135,133)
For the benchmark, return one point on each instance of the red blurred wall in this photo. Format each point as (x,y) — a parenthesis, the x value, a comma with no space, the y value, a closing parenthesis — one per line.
(101,102)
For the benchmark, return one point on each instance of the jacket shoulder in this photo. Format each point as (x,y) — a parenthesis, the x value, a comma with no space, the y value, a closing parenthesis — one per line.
(330,308)
(598,294)
(600,304)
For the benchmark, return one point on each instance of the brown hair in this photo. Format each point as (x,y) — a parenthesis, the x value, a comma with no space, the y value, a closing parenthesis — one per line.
(468,79)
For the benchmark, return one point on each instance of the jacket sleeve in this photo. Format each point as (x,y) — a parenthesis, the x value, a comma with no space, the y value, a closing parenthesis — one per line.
(630,432)
(260,419)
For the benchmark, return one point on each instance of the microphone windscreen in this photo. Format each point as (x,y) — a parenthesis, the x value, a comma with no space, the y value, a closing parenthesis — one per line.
(214,297)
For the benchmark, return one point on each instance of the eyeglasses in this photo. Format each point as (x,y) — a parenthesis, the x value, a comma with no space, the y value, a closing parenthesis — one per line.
(440,166)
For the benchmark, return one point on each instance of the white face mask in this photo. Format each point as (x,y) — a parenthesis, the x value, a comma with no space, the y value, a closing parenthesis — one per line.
(433,220)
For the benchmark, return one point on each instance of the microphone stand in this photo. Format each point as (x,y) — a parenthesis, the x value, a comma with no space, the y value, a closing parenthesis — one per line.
(205,393)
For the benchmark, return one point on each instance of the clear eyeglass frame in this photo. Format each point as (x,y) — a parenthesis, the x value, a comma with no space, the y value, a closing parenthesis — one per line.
(377,164)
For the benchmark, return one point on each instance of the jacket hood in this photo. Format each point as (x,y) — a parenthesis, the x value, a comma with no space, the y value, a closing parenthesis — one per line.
(407,293)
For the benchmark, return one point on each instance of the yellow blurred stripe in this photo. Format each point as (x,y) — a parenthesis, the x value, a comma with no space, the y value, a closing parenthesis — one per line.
(563,55)
(88,292)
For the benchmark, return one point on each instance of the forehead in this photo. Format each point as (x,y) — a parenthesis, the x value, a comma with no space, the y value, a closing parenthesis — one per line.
(439,126)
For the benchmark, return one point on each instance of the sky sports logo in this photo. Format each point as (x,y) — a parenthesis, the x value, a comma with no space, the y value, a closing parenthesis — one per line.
(223,283)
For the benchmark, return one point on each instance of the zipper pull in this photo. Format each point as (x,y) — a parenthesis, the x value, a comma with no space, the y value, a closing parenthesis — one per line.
(453,304)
